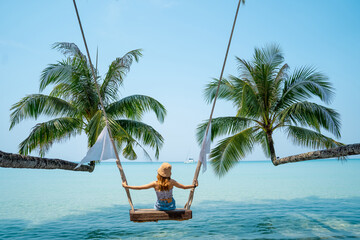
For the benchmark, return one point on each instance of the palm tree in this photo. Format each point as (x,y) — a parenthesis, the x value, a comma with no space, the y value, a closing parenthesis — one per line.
(74,106)
(267,98)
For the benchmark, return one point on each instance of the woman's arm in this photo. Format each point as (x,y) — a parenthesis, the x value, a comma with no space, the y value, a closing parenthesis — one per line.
(179,185)
(146,186)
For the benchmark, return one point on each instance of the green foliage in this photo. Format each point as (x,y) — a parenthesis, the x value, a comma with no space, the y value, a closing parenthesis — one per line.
(43,135)
(74,102)
(36,104)
(268,97)
(308,138)
(145,134)
(135,106)
(233,147)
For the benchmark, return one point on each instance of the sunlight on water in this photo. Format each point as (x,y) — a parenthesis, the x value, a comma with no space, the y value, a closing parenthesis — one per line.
(319,199)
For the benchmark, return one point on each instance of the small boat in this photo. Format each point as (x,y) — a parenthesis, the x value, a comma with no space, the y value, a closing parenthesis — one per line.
(189,160)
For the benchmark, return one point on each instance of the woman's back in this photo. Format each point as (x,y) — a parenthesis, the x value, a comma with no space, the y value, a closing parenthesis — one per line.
(164,194)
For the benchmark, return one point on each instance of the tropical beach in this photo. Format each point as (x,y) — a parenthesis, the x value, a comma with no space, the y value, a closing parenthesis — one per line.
(87,89)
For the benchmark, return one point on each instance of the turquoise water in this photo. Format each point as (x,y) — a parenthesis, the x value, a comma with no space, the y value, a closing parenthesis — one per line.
(311,200)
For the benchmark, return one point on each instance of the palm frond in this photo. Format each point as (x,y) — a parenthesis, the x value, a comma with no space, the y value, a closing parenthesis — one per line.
(250,103)
(94,127)
(56,73)
(282,73)
(117,130)
(281,76)
(135,106)
(69,49)
(62,90)
(222,126)
(308,138)
(129,152)
(231,150)
(129,57)
(81,89)
(43,135)
(303,84)
(261,138)
(270,55)
(116,74)
(73,81)
(32,106)
(226,90)
(146,134)
(245,69)
(266,64)
(312,115)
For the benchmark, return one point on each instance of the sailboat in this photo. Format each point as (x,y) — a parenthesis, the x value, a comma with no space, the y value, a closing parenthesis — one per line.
(189,160)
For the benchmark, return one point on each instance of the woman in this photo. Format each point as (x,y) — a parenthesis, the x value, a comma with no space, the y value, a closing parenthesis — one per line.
(163,188)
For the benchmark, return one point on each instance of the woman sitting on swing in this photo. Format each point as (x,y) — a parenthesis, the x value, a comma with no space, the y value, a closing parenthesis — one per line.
(163,188)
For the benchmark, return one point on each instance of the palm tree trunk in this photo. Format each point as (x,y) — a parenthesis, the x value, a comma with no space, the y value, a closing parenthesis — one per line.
(271,147)
(9,160)
(347,150)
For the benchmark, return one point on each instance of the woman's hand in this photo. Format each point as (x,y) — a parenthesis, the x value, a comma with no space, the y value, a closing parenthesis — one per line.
(196,183)
(125,185)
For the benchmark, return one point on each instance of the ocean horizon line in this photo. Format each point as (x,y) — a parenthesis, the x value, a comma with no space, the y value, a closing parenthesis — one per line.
(245,161)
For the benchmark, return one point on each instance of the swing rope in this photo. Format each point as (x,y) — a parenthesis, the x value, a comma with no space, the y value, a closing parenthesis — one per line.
(198,167)
(118,163)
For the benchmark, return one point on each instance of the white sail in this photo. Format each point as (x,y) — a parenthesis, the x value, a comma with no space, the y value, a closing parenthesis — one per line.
(102,149)
(205,149)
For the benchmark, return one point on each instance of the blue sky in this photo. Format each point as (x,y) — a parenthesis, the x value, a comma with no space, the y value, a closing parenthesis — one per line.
(184,44)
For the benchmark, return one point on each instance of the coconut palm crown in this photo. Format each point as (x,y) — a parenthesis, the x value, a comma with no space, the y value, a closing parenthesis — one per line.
(268,97)
(74,106)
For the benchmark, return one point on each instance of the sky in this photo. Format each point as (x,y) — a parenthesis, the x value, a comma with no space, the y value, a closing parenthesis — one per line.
(184,43)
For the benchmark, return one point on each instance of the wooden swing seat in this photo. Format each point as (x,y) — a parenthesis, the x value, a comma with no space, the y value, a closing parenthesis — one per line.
(152,215)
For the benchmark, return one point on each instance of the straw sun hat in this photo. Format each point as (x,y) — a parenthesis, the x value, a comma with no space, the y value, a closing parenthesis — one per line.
(164,170)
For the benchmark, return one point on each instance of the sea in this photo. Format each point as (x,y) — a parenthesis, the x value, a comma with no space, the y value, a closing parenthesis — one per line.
(255,200)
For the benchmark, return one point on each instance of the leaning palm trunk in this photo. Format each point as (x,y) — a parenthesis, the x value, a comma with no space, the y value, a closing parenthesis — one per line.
(347,150)
(9,160)
(271,147)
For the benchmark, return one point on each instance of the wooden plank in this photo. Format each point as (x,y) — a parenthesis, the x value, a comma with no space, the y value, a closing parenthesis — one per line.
(152,215)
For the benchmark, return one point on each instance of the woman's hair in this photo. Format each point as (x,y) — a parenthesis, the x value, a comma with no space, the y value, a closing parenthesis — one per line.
(164,183)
